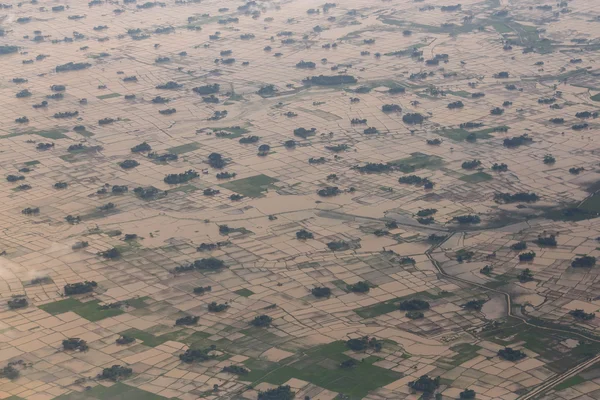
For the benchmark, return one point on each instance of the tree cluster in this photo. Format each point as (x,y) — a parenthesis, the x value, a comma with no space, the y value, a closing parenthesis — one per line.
(79,287)
(174,179)
(511,354)
(584,262)
(520,197)
(364,343)
(75,344)
(116,373)
(187,320)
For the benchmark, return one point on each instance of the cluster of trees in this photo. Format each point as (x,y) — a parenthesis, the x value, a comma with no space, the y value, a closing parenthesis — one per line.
(71,66)
(15,178)
(17,302)
(303,234)
(389,108)
(226,175)
(115,373)
(338,245)
(584,261)
(525,275)
(306,65)
(9,372)
(215,307)
(262,321)
(23,93)
(267,91)
(471,164)
(210,192)
(66,114)
(202,289)
(526,257)
(30,211)
(359,287)
(416,180)
(173,179)
(170,85)
(455,105)
(576,171)
(518,246)
(467,219)
(474,305)
(304,133)
(521,197)
(160,100)
(166,157)
(187,320)
(546,241)
(511,354)
(323,80)
(329,191)
(235,369)
(124,339)
(71,219)
(414,305)
(413,118)
(207,89)
(373,168)
(320,160)
(110,254)
(464,255)
(75,344)
(582,315)
(197,355)
(79,287)
(487,270)
(147,193)
(203,264)
(364,343)
(278,393)
(216,160)
(500,167)
(549,159)
(425,384)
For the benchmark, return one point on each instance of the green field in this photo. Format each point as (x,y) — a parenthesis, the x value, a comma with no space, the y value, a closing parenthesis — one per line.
(572,381)
(244,292)
(48,134)
(150,340)
(592,203)
(31,163)
(466,352)
(118,391)
(377,309)
(320,366)
(596,97)
(477,177)
(418,161)
(460,135)
(545,343)
(253,186)
(85,133)
(109,96)
(460,93)
(90,310)
(184,148)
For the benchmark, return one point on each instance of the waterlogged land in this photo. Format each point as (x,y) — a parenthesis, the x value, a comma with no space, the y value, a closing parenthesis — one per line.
(380,200)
